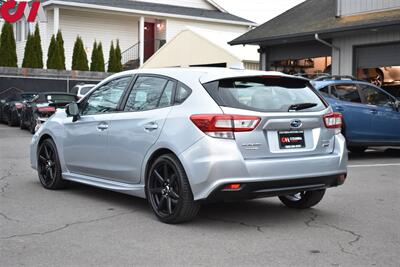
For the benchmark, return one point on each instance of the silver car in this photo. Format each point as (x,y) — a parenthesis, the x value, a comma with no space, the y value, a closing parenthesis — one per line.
(182,137)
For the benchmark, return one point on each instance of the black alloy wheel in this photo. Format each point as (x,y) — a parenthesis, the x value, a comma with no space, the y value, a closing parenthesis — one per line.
(168,191)
(49,169)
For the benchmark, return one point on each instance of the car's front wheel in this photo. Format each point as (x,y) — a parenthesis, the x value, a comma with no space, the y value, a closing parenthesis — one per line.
(168,191)
(303,200)
(49,168)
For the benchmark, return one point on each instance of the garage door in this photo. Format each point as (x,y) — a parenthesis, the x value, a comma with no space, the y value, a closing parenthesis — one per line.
(378,56)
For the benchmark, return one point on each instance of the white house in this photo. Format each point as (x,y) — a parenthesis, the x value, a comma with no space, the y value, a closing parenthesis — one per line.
(141,27)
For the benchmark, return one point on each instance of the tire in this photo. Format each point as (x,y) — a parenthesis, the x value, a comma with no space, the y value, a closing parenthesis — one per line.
(14,121)
(357,149)
(303,200)
(32,125)
(168,191)
(49,167)
(22,125)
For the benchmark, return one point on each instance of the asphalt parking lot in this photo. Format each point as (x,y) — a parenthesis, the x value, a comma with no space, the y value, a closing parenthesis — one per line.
(355,225)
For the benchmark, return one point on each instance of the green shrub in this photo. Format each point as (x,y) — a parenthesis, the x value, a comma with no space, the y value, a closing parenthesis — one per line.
(94,59)
(60,51)
(8,48)
(79,57)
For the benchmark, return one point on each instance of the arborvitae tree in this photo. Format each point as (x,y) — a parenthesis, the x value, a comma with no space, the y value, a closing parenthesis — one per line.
(33,54)
(37,49)
(28,61)
(94,63)
(118,56)
(52,54)
(61,51)
(100,58)
(112,59)
(79,57)
(8,48)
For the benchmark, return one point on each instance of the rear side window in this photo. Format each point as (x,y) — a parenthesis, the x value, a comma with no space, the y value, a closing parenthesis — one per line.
(148,93)
(266,94)
(182,93)
(347,92)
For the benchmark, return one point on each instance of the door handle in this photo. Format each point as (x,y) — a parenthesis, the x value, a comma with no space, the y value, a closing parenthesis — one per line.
(373,111)
(151,126)
(339,108)
(102,126)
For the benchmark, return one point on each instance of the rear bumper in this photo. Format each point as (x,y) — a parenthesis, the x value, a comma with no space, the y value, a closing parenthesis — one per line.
(275,188)
(213,163)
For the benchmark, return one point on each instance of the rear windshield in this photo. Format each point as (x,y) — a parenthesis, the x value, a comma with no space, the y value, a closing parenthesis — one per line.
(266,94)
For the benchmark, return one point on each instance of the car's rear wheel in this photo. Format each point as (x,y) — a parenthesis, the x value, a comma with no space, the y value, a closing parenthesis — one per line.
(168,191)
(357,149)
(303,200)
(49,168)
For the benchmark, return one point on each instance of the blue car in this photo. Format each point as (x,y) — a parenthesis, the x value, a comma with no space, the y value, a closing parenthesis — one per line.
(371,115)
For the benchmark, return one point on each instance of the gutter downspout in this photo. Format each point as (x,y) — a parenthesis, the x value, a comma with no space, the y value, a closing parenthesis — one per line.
(331,46)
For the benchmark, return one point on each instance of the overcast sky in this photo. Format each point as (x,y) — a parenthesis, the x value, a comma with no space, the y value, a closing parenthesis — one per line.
(258,11)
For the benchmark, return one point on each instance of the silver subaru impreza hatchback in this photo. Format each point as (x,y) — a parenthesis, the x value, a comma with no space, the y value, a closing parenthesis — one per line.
(183,137)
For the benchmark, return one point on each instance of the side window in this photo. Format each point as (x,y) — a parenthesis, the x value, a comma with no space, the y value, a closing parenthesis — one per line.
(147,93)
(375,97)
(182,93)
(325,91)
(347,92)
(106,98)
(166,98)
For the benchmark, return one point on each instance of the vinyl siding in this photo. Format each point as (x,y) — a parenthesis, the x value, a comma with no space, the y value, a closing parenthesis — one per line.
(350,7)
(92,26)
(346,45)
(187,3)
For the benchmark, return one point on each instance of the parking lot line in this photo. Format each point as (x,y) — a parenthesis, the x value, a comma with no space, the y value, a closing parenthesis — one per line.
(374,165)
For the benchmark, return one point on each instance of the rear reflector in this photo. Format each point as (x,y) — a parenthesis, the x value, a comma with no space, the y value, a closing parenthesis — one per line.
(232,187)
(46,109)
(333,120)
(223,126)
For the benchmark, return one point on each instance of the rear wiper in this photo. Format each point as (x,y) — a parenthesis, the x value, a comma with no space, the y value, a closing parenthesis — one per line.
(301,106)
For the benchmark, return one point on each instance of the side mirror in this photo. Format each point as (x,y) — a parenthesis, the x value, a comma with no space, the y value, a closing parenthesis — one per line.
(73,111)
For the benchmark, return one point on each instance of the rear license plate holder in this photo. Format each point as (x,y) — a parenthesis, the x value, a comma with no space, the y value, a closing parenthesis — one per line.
(291,139)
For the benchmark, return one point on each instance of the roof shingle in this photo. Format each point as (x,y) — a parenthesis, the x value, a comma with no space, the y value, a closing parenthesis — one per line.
(162,8)
(314,16)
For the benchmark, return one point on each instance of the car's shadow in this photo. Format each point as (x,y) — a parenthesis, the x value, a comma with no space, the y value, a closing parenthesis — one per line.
(376,153)
(255,214)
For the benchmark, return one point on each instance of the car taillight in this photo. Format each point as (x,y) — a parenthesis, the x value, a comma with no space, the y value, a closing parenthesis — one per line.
(224,126)
(18,105)
(46,109)
(333,120)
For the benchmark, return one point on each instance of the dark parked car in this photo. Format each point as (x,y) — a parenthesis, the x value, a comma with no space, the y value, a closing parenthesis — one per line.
(10,108)
(42,107)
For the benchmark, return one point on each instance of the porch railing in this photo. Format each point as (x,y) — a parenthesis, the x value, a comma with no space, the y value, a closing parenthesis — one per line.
(130,58)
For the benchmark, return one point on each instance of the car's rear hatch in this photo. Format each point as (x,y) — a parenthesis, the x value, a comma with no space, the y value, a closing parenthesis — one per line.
(291,116)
